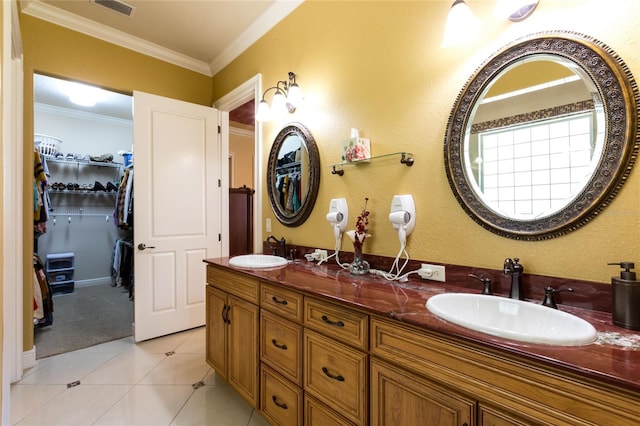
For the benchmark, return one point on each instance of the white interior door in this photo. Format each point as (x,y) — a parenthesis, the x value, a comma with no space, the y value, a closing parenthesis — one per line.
(177,212)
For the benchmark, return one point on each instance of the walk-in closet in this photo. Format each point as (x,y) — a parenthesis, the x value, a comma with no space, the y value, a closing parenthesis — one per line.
(83,223)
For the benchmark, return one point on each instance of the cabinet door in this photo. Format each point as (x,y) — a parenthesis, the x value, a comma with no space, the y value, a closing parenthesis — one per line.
(280,400)
(243,324)
(216,350)
(402,398)
(281,346)
(336,375)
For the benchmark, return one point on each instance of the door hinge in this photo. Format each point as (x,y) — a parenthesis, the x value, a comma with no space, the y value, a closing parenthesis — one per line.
(219,237)
(219,129)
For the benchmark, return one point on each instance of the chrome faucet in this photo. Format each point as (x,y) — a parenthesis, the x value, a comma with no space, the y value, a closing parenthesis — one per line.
(282,243)
(515,269)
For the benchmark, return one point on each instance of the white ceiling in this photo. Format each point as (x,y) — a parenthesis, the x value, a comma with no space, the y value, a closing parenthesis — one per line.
(200,35)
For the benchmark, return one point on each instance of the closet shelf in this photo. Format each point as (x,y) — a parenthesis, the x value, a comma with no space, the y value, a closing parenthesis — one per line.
(83,163)
(406,158)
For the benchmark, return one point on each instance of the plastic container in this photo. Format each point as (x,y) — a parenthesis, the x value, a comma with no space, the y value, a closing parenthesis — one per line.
(128,158)
(46,145)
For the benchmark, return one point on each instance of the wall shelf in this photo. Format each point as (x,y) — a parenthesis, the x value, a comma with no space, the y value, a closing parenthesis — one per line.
(406,158)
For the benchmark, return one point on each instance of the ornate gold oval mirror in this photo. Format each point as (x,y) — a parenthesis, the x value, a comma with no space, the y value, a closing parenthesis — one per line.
(542,136)
(293,174)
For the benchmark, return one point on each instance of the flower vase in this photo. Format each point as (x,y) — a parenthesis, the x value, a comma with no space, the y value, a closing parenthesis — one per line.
(359,266)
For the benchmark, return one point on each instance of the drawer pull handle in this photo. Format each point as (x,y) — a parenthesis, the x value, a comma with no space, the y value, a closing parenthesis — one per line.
(279,404)
(336,323)
(224,314)
(278,345)
(331,376)
(281,302)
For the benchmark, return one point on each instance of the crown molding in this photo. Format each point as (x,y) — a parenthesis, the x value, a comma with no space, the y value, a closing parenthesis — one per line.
(91,28)
(269,19)
(83,115)
(237,131)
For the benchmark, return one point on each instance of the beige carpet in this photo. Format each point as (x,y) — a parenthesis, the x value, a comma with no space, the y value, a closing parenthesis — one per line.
(88,316)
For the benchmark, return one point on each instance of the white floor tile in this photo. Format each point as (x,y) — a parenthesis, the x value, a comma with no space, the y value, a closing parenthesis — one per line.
(124,383)
(214,405)
(195,343)
(25,398)
(126,368)
(80,405)
(178,369)
(147,405)
(66,368)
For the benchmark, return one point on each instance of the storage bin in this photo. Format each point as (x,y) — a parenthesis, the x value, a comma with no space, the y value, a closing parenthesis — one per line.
(62,287)
(60,275)
(57,261)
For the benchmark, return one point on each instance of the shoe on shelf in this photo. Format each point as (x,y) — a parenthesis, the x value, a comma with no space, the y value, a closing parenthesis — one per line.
(69,157)
(97,186)
(111,187)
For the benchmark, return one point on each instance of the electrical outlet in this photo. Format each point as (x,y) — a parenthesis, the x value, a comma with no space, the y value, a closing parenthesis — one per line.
(432,272)
(267,225)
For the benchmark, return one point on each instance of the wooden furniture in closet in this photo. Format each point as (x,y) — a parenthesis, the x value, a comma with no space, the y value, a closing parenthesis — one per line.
(240,221)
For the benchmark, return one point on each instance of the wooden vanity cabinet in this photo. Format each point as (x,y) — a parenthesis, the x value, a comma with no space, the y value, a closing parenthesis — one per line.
(399,397)
(336,361)
(508,390)
(281,394)
(232,327)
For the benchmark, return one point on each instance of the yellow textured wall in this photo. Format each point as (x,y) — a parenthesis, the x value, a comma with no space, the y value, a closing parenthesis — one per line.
(54,50)
(378,67)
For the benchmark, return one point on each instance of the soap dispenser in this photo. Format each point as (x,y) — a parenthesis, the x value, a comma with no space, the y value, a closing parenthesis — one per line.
(626,297)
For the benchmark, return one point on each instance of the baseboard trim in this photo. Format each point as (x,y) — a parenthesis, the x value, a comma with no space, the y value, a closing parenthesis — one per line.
(93,281)
(29,358)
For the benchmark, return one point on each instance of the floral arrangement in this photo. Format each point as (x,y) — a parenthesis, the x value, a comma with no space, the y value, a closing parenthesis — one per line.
(359,234)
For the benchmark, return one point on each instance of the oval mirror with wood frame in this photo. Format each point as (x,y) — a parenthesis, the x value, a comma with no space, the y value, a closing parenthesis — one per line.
(543,135)
(293,174)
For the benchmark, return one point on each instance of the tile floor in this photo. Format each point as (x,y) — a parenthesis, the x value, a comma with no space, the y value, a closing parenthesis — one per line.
(164,381)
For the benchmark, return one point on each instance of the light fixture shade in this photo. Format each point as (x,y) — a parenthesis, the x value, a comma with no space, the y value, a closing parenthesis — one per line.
(278,104)
(514,10)
(264,112)
(461,25)
(294,96)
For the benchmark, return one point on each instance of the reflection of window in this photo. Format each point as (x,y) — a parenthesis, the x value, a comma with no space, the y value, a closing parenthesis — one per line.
(527,170)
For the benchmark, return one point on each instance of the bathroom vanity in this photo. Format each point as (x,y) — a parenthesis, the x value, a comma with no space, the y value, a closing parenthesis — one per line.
(315,345)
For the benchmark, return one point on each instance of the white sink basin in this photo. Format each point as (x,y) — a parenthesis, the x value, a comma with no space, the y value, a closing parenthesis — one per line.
(257,261)
(512,319)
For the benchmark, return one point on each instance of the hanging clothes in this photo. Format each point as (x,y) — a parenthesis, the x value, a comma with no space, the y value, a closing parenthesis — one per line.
(45,300)
(41,202)
(123,213)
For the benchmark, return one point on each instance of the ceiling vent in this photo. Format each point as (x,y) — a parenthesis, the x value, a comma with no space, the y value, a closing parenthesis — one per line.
(117,6)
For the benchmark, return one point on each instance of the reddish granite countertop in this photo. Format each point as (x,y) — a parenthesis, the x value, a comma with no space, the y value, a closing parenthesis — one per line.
(613,358)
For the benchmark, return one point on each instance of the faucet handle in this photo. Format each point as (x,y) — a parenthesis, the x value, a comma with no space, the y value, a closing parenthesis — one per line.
(486,282)
(549,296)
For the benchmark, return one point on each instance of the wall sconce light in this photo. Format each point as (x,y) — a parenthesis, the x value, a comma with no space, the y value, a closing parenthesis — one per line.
(461,25)
(515,10)
(287,97)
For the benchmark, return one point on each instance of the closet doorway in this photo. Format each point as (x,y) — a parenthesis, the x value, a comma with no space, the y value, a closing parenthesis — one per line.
(86,150)
(242,179)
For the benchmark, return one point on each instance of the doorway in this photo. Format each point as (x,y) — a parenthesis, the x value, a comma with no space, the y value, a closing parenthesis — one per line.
(85,151)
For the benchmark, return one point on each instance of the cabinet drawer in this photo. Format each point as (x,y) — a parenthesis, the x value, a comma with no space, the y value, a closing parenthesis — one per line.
(280,400)
(345,325)
(318,414)
(337,375)
(281,301)
(281,346)
(239,285)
